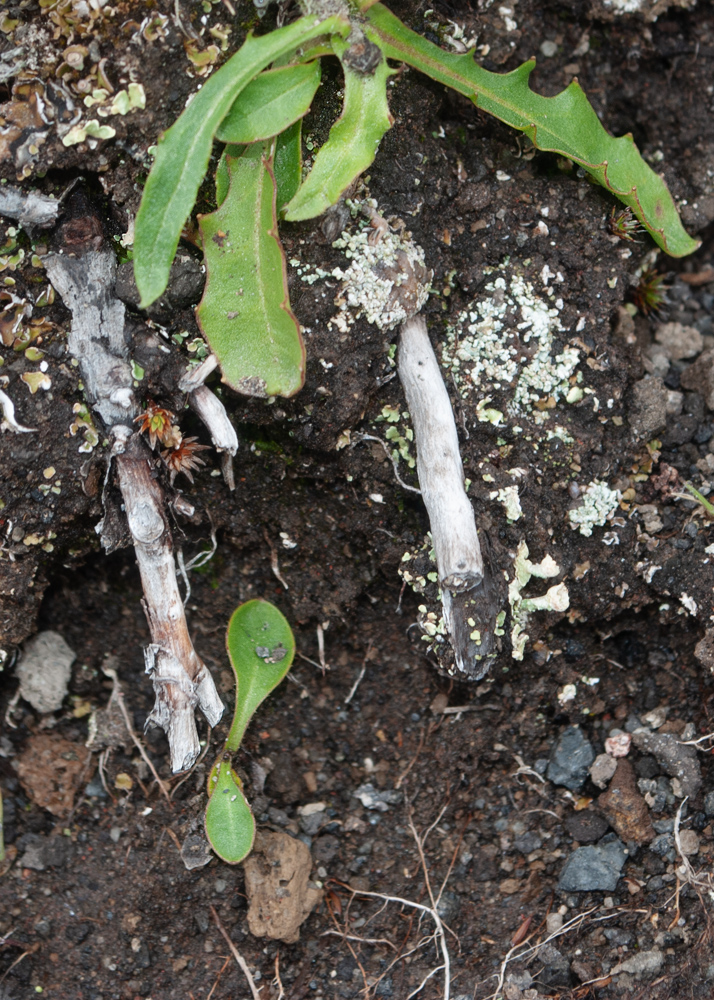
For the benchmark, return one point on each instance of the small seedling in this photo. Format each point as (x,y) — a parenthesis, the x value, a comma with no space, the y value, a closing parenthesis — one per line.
(261,648)
(624,225)
(257,111)
(706,504)
(650,294)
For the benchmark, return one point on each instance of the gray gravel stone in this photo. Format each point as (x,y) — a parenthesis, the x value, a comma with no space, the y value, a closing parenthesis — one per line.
(594,868)
(45,670)
(679,341)
(46,852)
(645,963)
(602,769)
(648,413)
(700,377)
(709,803)
(570,759)
(678,761)
(371,798)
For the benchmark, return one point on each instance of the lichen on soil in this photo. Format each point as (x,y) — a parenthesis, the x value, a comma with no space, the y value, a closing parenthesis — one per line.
(515,780)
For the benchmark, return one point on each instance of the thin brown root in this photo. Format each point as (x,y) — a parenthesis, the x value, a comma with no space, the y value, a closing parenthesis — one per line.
(223,969)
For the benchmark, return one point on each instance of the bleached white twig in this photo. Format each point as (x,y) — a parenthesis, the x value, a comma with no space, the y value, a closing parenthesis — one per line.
(8,409)
(439,467)
(223,435)
(197,375)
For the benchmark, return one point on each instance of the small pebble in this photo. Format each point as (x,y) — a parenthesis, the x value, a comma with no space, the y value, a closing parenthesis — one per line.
(548,49)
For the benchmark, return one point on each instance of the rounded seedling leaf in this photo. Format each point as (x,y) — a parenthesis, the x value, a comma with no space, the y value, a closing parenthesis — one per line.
(261,648)
(230,826)
(271,103)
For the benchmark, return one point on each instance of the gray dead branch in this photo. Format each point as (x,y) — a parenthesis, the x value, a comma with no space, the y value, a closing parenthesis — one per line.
(96,339)
(28,207)
(469,598)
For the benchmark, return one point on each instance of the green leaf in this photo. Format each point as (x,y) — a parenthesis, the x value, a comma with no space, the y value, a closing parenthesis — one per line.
(352,144)
(565,124)
(270,103)
(223,178)
(245,312)
(261,648)
(184,150)
(230,826)
(287,163)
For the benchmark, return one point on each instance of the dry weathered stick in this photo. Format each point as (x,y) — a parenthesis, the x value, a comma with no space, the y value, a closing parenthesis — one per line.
(212,412)
(96,338)
(180,678)
(240,961)
(441,473)
(470,599)
(29,207)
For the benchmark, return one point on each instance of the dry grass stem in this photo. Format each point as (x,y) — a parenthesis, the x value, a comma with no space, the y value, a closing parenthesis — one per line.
(439,931)
(118,697)
(236,955)
(353,689)
(274,564)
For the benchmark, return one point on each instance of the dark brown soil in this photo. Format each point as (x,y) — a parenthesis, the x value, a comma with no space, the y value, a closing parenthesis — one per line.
(110,910)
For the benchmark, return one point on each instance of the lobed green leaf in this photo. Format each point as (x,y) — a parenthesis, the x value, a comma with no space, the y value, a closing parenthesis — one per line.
(270,103)
(565,124)
(261,648)
(230,826)
(351,145)
(183,152)
(245,311)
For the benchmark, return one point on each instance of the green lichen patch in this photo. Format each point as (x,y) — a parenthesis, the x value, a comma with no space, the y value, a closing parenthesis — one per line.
(504,341)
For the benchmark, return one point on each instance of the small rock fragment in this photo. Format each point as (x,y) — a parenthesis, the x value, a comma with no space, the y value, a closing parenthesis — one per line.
(709,804)
(570,759)
(678,761)
(699,377)
(594,868)
(625,808)
(602,769)
(373,799)
(586,826)
(195,851)
(679,341)
(44,671)
(43,852)
(280,896)
(619,745)
(645,963)
(704,649)
(648,413)
(688,842)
